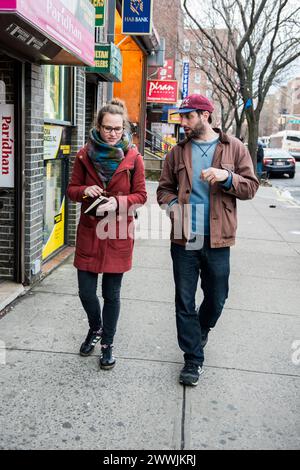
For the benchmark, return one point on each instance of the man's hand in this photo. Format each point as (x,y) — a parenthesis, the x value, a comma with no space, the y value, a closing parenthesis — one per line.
(214,175)
(93,191)
(110,206)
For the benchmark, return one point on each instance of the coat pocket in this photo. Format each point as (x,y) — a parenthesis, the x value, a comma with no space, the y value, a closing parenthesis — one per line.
(85,240)
(229,220)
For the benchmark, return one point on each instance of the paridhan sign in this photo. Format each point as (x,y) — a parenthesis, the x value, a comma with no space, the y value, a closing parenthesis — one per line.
(7,139)
(69,23)
(162,91)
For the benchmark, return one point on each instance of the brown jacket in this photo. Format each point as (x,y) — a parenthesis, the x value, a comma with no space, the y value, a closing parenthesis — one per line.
(176,182)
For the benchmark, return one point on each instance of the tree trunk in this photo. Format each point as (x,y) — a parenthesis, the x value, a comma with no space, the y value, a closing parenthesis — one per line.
(239,119)
(238,128)
(252,136)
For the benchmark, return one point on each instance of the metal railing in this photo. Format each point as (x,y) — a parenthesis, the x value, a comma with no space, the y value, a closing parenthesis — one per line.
(156,145)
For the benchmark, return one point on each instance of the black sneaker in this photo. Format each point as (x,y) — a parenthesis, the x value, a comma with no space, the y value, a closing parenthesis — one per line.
(90,341)
(107,360)
(190,374)
(204,336)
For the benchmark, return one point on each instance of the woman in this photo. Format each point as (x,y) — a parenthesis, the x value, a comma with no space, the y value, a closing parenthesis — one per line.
(111,166)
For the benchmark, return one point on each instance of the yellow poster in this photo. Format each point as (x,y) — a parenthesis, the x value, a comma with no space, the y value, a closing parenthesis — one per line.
(57,238)
(173,118)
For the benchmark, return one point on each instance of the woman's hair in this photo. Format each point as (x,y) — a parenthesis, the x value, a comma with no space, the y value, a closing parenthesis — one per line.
(115,106)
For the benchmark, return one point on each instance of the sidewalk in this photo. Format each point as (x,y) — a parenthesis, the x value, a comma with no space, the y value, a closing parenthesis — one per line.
(248,397)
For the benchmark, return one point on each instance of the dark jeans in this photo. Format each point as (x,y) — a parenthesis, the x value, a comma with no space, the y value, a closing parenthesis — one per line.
(212,264)
(111,287)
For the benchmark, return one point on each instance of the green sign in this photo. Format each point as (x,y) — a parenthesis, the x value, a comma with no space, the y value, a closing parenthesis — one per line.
(108,62)
(294,121)
(99,11)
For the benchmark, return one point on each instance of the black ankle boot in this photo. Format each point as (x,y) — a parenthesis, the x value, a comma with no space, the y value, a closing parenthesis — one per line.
(90,341)
(107,360)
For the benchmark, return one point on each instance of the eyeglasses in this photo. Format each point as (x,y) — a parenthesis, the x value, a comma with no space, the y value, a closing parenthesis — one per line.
(110,130)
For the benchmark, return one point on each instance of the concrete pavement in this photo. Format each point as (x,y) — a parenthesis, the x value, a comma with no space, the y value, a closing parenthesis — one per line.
(248,397)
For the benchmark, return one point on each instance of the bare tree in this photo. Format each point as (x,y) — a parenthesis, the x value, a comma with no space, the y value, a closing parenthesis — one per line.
(265,35)
(222,78)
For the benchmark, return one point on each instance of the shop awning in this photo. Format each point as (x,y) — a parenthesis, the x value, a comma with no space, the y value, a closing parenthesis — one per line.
(50,31)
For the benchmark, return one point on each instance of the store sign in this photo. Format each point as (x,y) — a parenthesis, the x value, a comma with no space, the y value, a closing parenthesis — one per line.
(56,142)
(185,79)
(167,71)
(137,17)
(52,140)
(70,23)
(7,146)
(100,12)
(57,235)
(108,62)
(8,4)
(162,91)
(173,118)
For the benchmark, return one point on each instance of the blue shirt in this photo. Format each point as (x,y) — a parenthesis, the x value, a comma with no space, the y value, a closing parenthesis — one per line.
(202,157)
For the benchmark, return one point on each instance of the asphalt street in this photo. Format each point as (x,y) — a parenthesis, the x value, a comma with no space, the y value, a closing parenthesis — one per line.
(292,185)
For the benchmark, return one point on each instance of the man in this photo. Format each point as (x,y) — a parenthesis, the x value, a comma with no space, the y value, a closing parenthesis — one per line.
(259,158)
(206,172)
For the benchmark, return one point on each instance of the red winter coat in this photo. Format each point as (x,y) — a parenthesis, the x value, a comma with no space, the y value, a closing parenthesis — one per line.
(127,185)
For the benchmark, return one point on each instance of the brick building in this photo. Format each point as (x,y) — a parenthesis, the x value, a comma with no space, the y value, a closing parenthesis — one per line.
(50,92)
(281,109)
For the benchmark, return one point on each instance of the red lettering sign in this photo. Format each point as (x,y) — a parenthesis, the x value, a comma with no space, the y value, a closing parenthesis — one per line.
(167,71)
(162,91)
(6,146)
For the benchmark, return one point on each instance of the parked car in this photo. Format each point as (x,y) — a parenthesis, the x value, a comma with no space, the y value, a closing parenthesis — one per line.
(278,162)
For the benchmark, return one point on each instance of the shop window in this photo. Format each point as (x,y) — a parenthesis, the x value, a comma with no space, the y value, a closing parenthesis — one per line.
(58,88)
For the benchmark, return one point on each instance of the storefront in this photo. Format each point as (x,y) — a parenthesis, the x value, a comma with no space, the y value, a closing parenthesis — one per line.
(58,118)
(135,50)
(40,42)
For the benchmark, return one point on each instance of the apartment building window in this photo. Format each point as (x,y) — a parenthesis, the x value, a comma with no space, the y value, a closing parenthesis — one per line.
(186,45)
(197,78)
(198,61)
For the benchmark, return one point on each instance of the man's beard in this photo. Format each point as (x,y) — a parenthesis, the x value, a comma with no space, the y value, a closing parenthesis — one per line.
(198,132)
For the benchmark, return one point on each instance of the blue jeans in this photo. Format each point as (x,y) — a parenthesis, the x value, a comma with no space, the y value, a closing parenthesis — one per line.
(212,265)
(259,168)
(111,288)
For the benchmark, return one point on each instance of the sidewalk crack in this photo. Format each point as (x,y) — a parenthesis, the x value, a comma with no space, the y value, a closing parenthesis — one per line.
(182,443)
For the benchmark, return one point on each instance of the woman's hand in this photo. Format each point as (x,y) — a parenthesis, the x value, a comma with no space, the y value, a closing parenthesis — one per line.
(93,191)
(110,206)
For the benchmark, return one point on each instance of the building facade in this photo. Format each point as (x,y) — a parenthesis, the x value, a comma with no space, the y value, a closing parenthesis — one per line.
(281,109)
(51,86)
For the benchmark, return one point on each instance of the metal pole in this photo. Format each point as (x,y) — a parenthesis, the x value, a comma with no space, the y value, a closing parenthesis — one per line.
(111,37)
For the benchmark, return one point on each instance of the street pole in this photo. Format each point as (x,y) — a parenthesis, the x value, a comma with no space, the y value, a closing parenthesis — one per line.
(111,38)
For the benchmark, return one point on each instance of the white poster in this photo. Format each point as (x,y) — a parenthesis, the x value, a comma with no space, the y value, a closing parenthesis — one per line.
(52,141)
(168,129)
(7,147)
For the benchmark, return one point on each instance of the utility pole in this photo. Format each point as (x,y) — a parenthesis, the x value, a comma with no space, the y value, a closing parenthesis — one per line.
(111,38)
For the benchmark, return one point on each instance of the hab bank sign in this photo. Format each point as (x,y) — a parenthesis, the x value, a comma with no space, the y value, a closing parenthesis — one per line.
(137,17)
(70,23)
(162,91)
